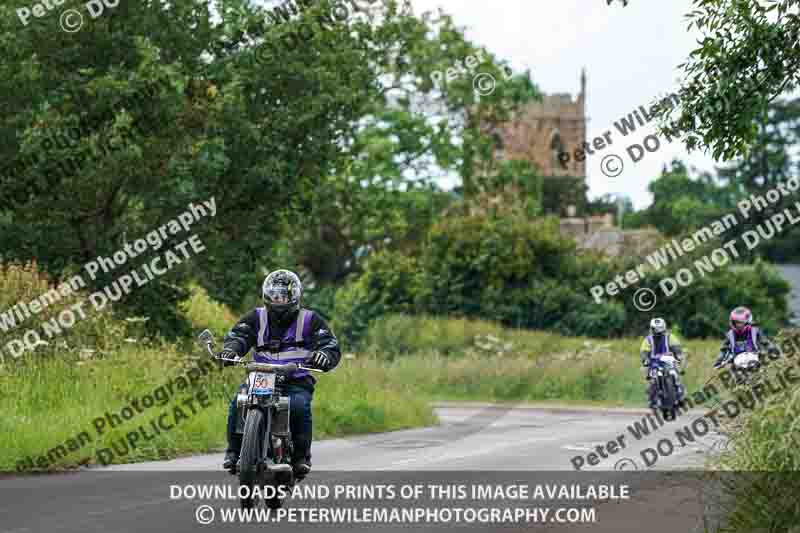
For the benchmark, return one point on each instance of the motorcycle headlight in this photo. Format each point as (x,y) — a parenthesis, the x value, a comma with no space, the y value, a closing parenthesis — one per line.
(241,399)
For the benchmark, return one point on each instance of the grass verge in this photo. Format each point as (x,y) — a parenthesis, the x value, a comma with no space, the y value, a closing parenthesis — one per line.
(53,405)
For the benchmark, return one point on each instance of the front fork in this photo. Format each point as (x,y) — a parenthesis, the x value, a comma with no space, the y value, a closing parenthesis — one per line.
(659,388)
(277,441)
(281,435)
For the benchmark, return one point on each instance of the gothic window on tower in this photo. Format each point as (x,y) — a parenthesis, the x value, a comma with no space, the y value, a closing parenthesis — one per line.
(556,148)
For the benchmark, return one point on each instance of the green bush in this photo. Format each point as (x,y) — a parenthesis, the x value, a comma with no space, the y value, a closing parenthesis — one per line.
(522,273)
(203,312)
(320,299)
(387,285)
(96,334)
(403,334)
(595,320)
(702,308)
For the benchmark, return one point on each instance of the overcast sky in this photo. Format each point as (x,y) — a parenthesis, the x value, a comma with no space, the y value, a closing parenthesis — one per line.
(631,55)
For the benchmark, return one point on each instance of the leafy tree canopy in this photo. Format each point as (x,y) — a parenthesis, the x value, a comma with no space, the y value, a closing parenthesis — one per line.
(748,55)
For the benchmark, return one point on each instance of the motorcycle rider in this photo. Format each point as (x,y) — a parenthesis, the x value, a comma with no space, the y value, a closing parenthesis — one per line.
(743,337)
(283,332)
(659,342)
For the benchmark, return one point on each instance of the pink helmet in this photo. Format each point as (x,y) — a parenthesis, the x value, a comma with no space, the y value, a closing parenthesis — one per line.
(741,319)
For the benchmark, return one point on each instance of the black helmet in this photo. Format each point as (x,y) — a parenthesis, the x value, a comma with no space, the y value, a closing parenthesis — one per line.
(281,292)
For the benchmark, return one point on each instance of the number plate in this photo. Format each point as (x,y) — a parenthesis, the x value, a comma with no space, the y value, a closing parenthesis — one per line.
(263,383)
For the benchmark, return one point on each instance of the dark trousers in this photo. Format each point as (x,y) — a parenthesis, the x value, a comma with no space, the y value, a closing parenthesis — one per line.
(299,423)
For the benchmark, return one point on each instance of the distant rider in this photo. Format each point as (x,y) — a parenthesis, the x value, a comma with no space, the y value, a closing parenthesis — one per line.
(743,337)
(660,342)
(282,332)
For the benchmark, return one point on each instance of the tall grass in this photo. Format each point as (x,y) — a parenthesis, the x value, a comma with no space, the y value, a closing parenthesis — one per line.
(51,401)
(758,491)
(204,312)
(407,363)
(479,360)
(98,331)
(51,397)
(767,437)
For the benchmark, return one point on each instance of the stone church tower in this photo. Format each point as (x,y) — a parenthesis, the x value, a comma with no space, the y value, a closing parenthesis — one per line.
(543,130)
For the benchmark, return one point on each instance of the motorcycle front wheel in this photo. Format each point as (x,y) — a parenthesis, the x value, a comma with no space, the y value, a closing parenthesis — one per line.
(251,469)
(670,398)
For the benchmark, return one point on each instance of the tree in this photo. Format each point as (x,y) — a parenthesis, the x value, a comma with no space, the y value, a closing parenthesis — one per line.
(173,104)
(749,55)
(682,203)
(298,126)
(771,161)
(610,203)
(422,124)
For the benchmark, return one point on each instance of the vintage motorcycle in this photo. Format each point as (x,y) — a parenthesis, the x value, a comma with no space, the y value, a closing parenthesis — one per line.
(669,391)
(262,415)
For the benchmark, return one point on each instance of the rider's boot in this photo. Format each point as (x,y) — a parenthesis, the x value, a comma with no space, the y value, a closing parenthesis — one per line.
(651,395)
(301,468)
(301,463)
(234,439)
(231,458)
(232,453)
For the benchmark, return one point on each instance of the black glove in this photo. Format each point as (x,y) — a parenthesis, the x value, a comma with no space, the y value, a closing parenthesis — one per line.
(321,361)
(228,354)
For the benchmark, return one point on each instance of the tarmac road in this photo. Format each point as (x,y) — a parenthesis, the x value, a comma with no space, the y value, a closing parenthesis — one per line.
(474,442)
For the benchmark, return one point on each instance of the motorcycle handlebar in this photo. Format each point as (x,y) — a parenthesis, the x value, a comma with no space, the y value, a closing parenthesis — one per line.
(268,367)
(208,340)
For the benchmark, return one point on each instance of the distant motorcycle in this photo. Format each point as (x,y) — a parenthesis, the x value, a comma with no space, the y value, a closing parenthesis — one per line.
(744,364)
(669,392)
(262,415)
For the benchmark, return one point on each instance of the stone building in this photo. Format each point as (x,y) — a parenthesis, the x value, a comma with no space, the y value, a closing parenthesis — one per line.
(542,132)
